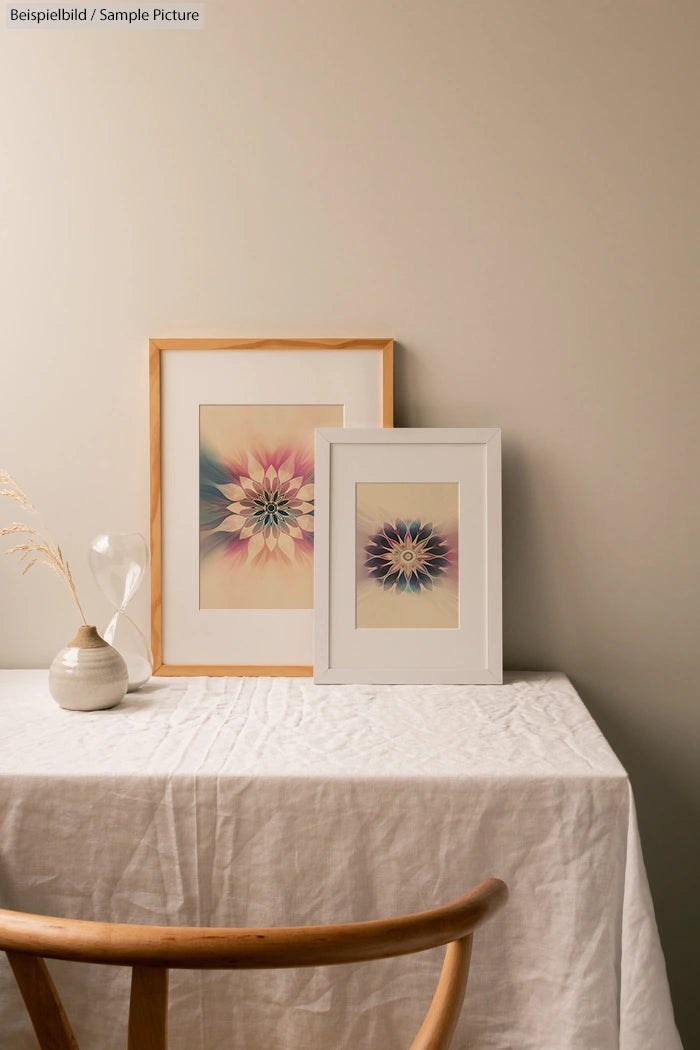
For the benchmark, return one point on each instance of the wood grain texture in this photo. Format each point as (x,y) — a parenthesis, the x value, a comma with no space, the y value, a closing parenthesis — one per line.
(243,671)
(156,522)
(42,1001)
(148,1009)
(388,384)
(441,1019)
(152,950)
(186,947)
(272,344)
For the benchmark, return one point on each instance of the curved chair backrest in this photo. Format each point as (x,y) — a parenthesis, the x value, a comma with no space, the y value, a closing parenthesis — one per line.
(152,950)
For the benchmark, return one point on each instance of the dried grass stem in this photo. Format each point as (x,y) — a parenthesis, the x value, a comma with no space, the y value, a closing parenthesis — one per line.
(39,548)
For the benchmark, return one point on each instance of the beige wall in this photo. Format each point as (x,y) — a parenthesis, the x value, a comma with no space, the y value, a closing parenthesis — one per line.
(508,188)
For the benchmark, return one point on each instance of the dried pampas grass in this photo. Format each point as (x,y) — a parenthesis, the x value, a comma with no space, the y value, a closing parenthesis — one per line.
(38,547)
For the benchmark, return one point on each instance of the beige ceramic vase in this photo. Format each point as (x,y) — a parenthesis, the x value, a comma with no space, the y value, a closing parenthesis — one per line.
(88,675)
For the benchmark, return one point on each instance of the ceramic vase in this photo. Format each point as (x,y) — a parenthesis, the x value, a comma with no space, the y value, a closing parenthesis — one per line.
(88,674)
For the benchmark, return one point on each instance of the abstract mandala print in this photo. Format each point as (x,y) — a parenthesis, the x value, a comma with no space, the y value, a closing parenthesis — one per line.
(408,555)
(261,510)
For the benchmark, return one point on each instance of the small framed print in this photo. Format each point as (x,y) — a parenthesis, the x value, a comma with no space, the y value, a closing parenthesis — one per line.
(233,492)
(408,556)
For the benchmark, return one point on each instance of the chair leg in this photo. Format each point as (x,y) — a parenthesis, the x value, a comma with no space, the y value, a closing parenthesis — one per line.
(148,1008)
(43,1003)
(441,1019)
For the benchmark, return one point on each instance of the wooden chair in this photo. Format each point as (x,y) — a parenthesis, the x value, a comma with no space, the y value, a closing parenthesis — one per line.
(152,950)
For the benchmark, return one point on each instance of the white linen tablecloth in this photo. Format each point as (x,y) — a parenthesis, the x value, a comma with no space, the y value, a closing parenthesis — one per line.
(261,801)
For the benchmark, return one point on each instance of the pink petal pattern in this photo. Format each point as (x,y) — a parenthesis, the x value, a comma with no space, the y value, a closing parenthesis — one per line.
(266,509)
(255,546)
(256,470)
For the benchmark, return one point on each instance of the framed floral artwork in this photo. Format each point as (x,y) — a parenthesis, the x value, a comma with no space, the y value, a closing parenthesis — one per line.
(233,492)
(408,556)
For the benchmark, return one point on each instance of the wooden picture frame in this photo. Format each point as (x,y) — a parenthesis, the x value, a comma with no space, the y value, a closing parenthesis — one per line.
(408,556)
(210,613)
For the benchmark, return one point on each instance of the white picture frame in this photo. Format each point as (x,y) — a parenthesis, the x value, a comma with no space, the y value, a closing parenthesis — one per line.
(452,633)
(189,636)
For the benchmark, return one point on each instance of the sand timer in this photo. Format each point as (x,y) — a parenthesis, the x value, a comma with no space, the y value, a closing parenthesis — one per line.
(119,562)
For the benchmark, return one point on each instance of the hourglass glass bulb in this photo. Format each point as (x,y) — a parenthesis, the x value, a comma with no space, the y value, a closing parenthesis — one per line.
(119,562)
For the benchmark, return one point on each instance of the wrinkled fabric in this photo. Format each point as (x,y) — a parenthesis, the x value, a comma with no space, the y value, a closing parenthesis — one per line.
(260,801)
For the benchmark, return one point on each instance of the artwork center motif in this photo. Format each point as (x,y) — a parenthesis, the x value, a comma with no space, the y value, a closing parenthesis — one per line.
(407,548)
(257,504)
(408,555)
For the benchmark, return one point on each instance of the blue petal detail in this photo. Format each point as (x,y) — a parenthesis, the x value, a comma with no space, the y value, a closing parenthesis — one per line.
(426,565)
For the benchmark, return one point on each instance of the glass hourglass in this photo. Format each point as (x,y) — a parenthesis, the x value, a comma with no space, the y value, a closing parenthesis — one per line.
(119,562)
